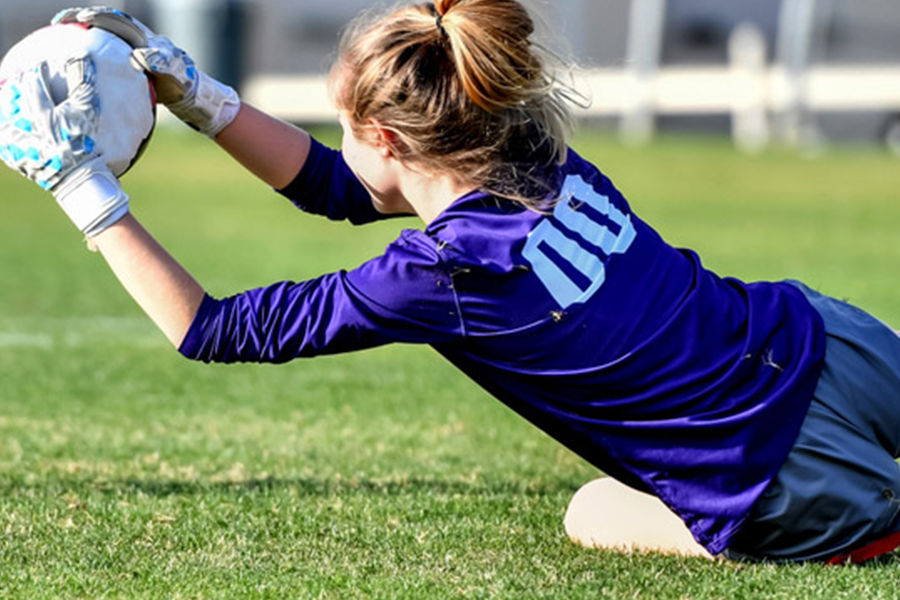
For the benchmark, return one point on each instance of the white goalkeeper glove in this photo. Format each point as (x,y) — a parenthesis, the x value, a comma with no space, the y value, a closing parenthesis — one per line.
(199,100)
(54,145)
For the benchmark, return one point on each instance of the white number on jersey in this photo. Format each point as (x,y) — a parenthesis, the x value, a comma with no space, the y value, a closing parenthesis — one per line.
(585,257)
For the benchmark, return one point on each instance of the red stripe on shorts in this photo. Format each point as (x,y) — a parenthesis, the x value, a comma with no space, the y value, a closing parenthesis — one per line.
(868,552)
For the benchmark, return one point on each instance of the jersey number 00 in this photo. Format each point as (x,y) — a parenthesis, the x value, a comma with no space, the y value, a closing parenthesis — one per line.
(568,253)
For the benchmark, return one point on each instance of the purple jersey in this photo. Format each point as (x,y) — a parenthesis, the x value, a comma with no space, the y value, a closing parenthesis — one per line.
(674,380)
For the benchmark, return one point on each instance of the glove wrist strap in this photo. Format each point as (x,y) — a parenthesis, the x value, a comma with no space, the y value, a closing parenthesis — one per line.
(92,198)
(210,108)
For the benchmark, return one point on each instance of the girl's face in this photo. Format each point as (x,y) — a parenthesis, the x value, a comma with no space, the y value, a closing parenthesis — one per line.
(373,165)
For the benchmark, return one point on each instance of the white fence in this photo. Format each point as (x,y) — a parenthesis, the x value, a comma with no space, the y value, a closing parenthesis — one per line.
(747,96)
(678,91)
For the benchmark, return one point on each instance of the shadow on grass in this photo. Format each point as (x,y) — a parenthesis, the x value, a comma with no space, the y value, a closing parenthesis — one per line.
(304,486)
(312,486)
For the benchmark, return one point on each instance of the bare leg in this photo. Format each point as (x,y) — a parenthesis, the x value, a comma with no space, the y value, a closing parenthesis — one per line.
(607,514)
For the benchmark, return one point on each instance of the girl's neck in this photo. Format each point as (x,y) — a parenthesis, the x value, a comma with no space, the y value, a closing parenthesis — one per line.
(430,195)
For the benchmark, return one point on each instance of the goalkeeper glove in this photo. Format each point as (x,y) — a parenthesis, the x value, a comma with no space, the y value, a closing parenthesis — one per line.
(199,100)
(55,145)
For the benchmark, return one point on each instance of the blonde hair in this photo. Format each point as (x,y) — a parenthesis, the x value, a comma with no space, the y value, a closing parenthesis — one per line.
(464,88)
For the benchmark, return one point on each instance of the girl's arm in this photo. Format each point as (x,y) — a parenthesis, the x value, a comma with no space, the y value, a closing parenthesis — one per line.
(273,150)
(268,147)
(315,178)
(161,286)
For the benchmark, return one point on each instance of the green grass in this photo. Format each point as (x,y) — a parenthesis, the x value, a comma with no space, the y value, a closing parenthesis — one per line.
(127,472)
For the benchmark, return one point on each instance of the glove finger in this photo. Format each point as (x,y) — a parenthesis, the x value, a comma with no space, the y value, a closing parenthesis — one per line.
(35,90)
(66,15)
(163,61)
(81,78)
(132,31)
(13,125)
(77,118)
(171,84)
(161,52)
(10,100)
(27,135)
(148,59)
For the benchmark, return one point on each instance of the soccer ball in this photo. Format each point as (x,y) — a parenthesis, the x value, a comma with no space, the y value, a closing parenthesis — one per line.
(127,98)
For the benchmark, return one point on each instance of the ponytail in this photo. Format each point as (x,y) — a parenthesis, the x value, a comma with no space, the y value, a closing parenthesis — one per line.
(465,89)
(491,51)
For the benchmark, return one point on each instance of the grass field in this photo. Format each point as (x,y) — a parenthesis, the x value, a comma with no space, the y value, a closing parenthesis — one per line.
(127,472)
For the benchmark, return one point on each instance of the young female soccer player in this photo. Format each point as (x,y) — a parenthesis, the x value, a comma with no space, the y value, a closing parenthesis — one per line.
(764,415)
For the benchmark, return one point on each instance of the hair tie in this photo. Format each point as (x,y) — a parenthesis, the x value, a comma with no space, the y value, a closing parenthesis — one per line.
(440,25)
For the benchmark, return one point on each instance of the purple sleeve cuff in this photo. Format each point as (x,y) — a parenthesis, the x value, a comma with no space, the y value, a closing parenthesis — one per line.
(326,186)
(192,343)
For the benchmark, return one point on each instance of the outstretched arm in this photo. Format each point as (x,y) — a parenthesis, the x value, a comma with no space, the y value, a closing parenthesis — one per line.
(159,284)
(271,149)
(54,145)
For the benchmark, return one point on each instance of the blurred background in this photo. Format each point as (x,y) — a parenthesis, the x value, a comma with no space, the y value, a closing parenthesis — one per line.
(796,72)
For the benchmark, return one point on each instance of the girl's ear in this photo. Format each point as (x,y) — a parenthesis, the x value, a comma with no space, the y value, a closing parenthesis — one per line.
(387,139)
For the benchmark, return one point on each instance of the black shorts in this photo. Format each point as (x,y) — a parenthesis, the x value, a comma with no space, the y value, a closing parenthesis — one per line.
(839,490)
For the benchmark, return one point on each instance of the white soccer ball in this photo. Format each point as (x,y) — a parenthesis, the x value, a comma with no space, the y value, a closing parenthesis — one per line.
(127,99)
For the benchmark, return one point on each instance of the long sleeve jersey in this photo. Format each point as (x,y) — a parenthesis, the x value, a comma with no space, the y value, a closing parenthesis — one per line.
(583,320)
